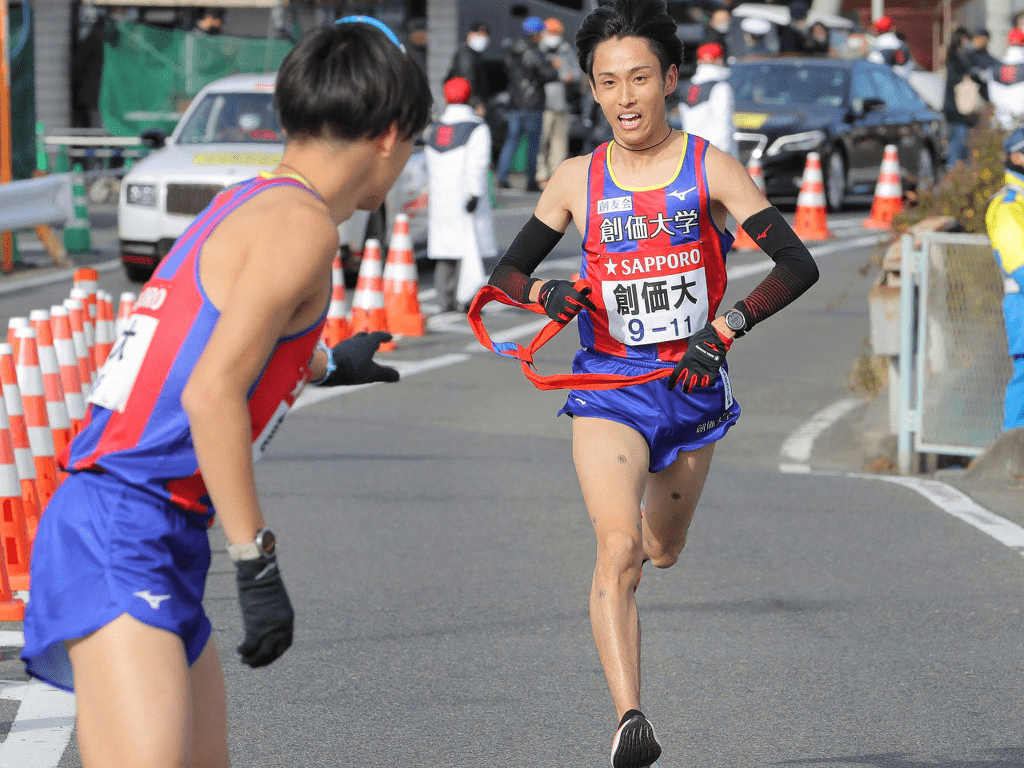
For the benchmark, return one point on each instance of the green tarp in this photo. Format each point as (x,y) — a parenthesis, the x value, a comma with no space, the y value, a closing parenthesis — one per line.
(23,97)
(151,74)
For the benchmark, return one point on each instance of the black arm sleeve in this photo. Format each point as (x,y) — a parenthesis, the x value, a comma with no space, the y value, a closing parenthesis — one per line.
(533,243)
(794,271)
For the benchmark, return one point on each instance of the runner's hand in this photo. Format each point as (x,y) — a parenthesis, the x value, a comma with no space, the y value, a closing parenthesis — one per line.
(354,363)
(562,302)
(267,614)
(703,358)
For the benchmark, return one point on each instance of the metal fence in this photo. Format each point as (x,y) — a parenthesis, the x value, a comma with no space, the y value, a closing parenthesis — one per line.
(954,364)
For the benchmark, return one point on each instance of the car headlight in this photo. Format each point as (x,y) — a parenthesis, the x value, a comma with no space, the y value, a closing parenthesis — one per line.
(797,142)
(141,194)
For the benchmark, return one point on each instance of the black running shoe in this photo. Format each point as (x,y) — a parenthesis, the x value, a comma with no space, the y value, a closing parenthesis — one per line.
(635,745)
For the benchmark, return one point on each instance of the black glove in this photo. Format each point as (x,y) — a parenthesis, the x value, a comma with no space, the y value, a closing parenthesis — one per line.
(561,300)
(471,204)
(267,614)
(354,363)
(704,357)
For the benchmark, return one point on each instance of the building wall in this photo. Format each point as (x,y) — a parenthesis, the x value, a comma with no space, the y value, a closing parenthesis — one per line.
(53,63)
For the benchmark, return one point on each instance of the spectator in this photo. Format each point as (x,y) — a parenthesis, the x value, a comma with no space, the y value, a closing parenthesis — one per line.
(1006,83)
(554,136)
(1005,223)
(416,33)
(468,63)
(857,45)
(793,37)
(210,21)
(755,35)
(960,114)
(461,228)
(717,29)
(818,41)
(890,48)
(706,106)
(528,72)
(981,60)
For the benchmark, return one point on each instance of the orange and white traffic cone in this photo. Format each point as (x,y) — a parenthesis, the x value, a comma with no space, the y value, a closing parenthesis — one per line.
(13,324)
(88,302)
(86,280)
(336,326)
(402,285)
(745,242)
(19,436)
(811,216)
(86,367)
(368,302)
(33,398)
(56,406)
(125,307)
(14,559)
(67,361)
(104,329)
(888,191)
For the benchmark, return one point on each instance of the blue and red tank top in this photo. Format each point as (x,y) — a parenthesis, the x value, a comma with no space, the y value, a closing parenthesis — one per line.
(655,260)
(136,429)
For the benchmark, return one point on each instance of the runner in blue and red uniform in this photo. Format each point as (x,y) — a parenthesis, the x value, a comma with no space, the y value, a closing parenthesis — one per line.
(222,340)
(651,207)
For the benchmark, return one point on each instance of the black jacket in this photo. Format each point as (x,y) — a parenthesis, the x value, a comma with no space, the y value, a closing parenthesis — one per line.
(469,64)
(528,71)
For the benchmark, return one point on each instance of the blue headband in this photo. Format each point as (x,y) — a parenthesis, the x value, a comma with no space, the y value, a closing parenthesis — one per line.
(373,23)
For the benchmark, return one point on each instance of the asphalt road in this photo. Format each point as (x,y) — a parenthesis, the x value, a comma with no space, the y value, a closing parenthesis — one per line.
(439,558)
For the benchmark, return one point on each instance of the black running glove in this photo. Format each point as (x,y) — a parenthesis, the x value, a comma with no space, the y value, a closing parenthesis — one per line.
(562,302)
(472,203)
(703,358)
(267,614)
(353,361)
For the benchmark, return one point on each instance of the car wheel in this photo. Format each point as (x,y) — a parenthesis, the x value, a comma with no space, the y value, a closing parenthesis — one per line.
(925,170)
(138,273)
(835,179)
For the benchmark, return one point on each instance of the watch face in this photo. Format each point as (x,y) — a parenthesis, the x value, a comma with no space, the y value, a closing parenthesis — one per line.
(735,320)
(266,541)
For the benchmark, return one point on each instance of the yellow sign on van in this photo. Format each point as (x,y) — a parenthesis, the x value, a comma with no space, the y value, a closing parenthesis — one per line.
(750,120)
(269,159)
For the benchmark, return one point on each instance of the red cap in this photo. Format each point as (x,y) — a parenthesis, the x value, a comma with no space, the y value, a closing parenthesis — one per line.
(1016,37)
(882,24)
(457,90)
(710,52)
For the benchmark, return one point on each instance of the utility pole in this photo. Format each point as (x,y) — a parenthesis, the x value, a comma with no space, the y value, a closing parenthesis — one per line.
(7,245)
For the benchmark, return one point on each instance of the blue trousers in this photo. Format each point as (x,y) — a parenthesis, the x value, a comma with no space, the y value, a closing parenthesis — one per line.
(1014,406)
(957,144)
(521,122)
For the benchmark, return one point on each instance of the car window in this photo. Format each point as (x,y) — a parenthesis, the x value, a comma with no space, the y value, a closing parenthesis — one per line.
(884,81)
(777,84)
(862,86)
(234,118)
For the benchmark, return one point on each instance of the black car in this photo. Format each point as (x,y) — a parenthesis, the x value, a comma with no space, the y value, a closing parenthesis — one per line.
(846,111)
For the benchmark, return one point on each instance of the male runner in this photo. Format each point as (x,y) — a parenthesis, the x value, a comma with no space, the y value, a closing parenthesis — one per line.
(221,343)
(651,207)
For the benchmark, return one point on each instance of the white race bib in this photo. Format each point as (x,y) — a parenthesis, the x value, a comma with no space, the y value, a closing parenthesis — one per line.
(653,310)
(116,378)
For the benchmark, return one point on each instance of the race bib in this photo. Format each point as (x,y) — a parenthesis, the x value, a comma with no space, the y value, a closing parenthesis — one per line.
(116,378)
(653,310)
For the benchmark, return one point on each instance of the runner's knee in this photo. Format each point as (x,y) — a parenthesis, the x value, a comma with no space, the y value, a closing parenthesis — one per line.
(664,554)
(619,552)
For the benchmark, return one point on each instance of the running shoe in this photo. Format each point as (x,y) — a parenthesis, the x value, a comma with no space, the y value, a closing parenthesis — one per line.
(635,744)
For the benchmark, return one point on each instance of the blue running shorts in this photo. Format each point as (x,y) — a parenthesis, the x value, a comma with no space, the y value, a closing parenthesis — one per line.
(669,420)
(102,549)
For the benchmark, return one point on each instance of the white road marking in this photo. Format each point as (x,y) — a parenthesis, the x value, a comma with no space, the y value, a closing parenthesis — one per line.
(42,728)
(796,450)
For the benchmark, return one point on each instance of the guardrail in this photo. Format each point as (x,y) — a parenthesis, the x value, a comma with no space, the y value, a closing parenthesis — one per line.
(32,202)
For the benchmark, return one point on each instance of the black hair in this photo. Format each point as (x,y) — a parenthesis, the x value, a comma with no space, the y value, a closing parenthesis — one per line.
(349,81)
(648,19)
(479,26)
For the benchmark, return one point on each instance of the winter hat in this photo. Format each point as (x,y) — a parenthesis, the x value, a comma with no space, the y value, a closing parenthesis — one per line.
(457,91)
(709,52)
(882,24)
(533,25)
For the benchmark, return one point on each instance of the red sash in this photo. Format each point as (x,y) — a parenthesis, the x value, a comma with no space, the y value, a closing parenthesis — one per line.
(524,355)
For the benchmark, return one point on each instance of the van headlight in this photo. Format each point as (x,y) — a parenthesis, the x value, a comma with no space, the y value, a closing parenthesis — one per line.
(141,194)
(797,142)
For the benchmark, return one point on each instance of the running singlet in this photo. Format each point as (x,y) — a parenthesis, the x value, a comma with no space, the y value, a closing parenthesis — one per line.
(654,258)
(136,429)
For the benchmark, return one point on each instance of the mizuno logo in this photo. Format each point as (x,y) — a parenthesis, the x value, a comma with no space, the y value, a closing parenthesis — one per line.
(153,600)
(681,195)
(579,400)
(765,232)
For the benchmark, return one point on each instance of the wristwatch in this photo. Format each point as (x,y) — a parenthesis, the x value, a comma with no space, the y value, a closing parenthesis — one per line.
(736,322)
(263,546)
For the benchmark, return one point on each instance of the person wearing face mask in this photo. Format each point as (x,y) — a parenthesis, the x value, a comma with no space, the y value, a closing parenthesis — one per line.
(890,48)
(706,104)
(554,133)
(468,63)
(1006,83)
(717,29)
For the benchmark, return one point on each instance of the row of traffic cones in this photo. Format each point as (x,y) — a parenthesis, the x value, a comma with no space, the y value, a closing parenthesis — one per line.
(811,219)
(47,366)
(386,296)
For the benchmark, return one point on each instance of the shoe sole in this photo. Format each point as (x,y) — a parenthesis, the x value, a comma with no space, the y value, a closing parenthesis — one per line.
(635,745)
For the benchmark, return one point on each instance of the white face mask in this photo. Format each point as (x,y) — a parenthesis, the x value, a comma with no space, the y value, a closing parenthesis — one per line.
(479,43)
(723,28)
(551,41)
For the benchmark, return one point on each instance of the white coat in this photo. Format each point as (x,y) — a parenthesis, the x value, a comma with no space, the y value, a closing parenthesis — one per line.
(1006,88)
(706,107)
(458,154)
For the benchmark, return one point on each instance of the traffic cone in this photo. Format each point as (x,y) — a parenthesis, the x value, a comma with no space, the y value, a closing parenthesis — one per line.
(125,306)
(104,328)
(14,559)
(368,302)
(88,301)
(56,407)
(13,324)
(811,214)
(86,368)
(77,238)
(33,398)
(85,286)
(888,191)
(19,435)
(401,287)
(63,164)
(67,360)
(745,242)
(336,328)
(42,161)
